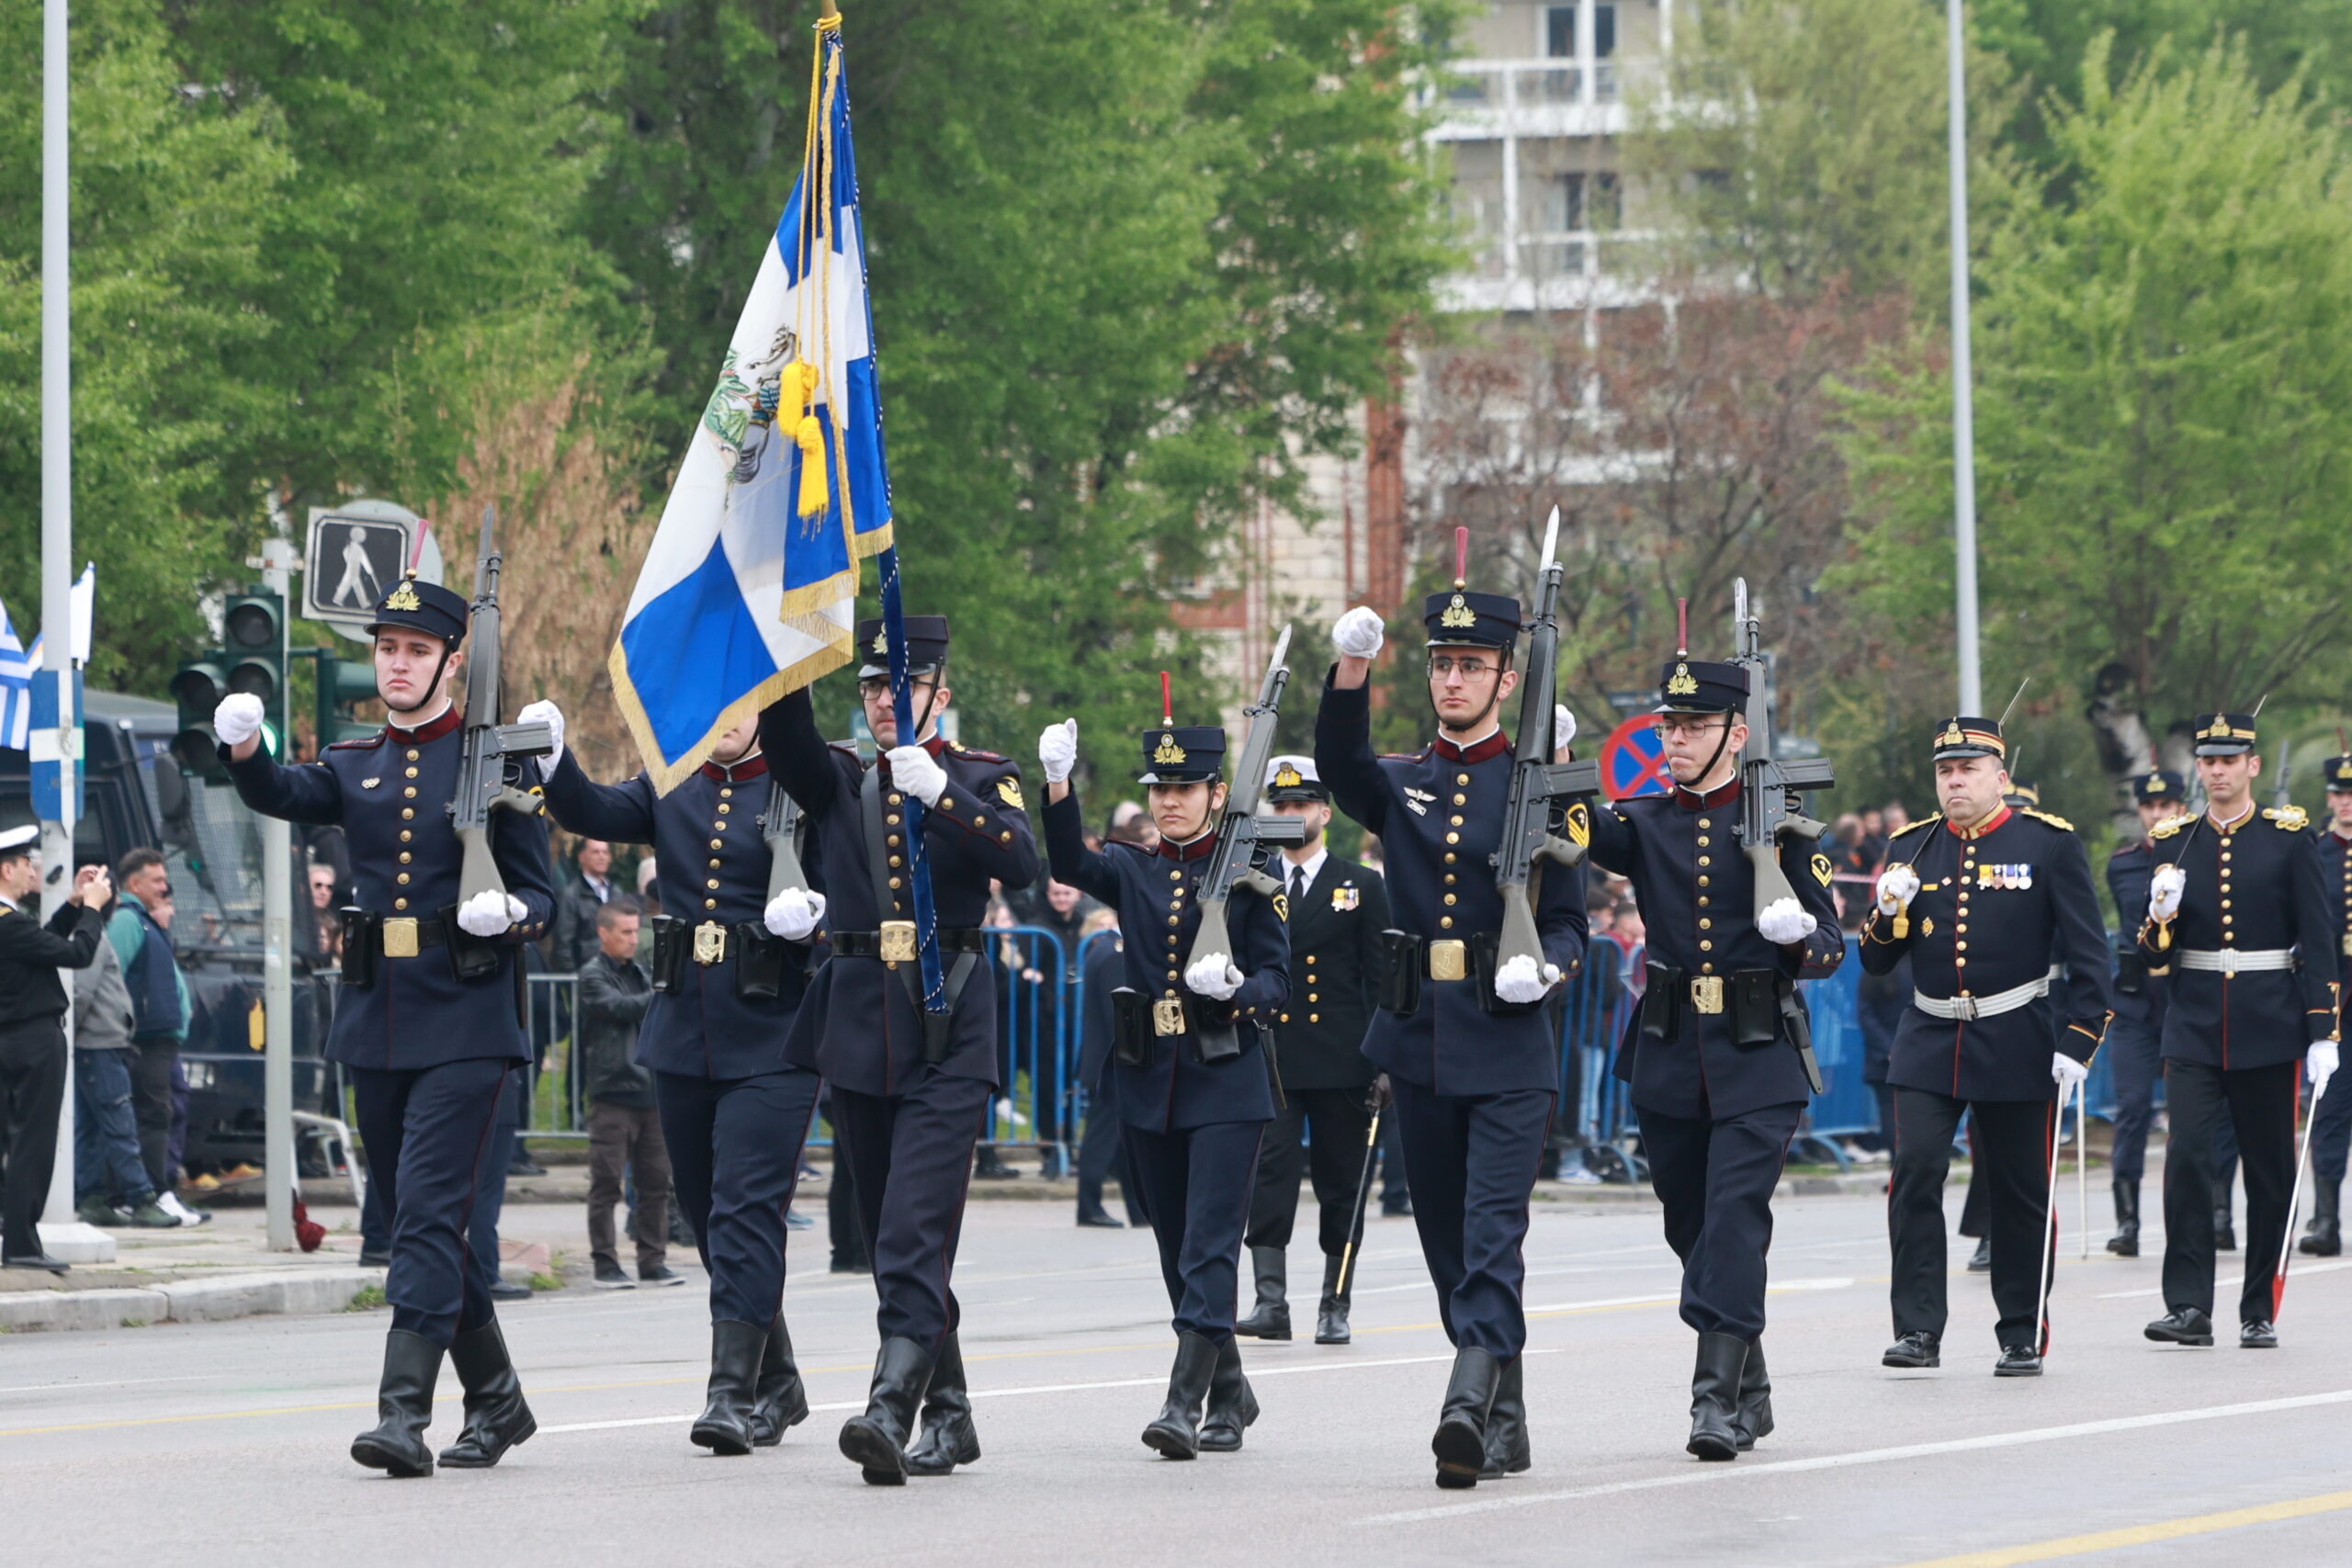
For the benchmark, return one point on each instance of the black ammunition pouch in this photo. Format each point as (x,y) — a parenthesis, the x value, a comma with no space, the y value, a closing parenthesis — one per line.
(761,957)
(672,937)
(2131,973)
(1483,964)
(1756,1006)
(472,957)
(1130,1027)
(363,946)
(1213,1042)
(1401,974)
(1662,998)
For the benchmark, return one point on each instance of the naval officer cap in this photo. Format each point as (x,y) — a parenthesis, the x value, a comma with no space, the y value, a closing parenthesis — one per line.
(2223,734)
(19,841)
(1295,778)
(926,645)
(426,607)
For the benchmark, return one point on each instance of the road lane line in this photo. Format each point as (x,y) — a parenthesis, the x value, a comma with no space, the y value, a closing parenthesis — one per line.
(2143,1535)
(2294,1272)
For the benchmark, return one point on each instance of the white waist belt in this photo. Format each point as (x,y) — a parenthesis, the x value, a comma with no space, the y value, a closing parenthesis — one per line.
(2231,960)
(1993,1006)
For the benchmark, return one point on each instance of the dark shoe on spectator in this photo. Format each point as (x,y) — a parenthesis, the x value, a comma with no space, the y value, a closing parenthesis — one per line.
(779,1401)
(794,1220)
(949,1437)
(147,1215)
(660,1274)
(497,1417)
(36,1261)
(368,1259)
(990,1166)
(505,1290)
(850,1266)
(1100,1218)
(95,1210)
(170,1204)
(725,1426)
(613,1277)
(403,1407)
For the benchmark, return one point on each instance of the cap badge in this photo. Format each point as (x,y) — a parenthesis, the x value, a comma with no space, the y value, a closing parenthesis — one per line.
(1683,683)
(404,596)
(1170,754)
(881,642)
(2157,781)
(1458,613)
(1288,777)
(1953,736)
(2218,730)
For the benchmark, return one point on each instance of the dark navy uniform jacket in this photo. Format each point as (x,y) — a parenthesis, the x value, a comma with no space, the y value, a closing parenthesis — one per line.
(857,1024)
(2139,994)
(1157,893)
(1698,897)
(390,792)
(2335,876)
(2266,869)
(1335,960)
(711,862)
(1999,905)
(1439,814)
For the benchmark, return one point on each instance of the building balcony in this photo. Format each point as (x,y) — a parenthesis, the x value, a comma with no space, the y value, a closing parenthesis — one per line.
(1488,100)
(1571,269)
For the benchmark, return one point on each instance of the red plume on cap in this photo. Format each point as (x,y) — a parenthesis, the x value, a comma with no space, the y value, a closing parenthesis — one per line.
(1166,708)
(1682,626)
(1461,556)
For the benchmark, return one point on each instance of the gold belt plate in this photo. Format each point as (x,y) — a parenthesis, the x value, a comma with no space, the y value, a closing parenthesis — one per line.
(899,942)
(1707,994)
(710,943)
(1168,1016)
(1449,959)
(400,937)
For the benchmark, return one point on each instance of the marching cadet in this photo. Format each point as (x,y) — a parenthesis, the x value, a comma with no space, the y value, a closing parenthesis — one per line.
(734,1112)
(1195,1082)
(1470,1056)
(1717,1080)
(2331,1118)
(1983,1033)
(428,1022)
(2134,1035)
(907,1088)
(2238,915)
(1338,909)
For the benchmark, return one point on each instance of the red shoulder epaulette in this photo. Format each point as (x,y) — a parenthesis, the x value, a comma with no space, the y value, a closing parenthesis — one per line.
(363,743)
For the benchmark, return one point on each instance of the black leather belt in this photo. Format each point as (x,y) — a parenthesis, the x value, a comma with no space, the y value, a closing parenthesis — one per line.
(428,933)
(868,944)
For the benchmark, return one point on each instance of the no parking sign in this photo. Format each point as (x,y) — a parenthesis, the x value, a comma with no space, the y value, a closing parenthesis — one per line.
(1633,760)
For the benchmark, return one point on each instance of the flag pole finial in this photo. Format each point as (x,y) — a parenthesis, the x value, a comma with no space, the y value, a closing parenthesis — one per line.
(828,11)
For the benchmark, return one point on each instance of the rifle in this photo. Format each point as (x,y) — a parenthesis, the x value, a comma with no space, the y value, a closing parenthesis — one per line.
(1769,810)
(1535,779)
(487,745)
(1239,835)
(779,827)
(2280,799)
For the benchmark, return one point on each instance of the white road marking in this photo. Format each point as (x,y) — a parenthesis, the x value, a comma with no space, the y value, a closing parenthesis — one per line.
(2294,1272)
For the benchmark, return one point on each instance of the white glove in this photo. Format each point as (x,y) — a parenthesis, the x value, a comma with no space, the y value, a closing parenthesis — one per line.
(795,914)
(1897,885)
(1213,976)
(489,912)
(2066,1072)
(1057,750)
(1519,979)
(1359,634)
(237,719)
(912,769)
(1564,726)
(1785,920)
(2163,893)
(2319,1064)
(547,713)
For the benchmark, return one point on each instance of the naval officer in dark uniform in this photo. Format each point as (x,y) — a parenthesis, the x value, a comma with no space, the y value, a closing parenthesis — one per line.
(428,1021)
(2237,914)
(734,1112)
(1717,1084)
(1338,909)
(2134,1035)
(33,1066)
(1990,902)
(907,1089)
(1194,1081)
(2332,1117)
(1470,1050)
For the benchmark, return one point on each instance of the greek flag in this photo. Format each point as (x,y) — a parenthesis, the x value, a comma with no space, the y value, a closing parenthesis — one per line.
(16,685)
(749,588)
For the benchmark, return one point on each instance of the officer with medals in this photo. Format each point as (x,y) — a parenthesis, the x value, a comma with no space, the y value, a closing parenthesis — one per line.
(1194,1081)
(907,1089)
(1992,903)
(2135,1034)
(734,1112)
(1471,1055)
(2332,1117)
(2238,915)
(428,1023)
(1718,1084)
(1338,909)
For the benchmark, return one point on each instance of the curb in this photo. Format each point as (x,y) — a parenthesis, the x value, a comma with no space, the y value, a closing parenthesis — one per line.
(308,1290)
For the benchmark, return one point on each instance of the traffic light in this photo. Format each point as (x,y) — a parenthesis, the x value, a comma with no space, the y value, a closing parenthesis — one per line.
(198,690)
(341,683)
(253,622)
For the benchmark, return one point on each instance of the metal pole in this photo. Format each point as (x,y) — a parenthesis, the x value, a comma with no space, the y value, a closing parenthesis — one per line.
(278,979)
(1964,412)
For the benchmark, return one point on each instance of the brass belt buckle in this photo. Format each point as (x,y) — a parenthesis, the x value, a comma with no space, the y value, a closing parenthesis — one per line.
(710,943)
(1449,959)
(1707,994)
(400,937)
(899,942)
(1168,1016)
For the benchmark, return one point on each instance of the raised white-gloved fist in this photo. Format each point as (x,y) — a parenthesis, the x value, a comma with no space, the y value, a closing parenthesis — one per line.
(2319,1064)
(1057,750)
(1213,976)
(1519,979)
(1897,885)
(490,913)
(237,719)
(795,914)
(1564,726)
(547,713)
(2163,893)
(1359,634)
(2066,1072)
(912,769)
(1785,920)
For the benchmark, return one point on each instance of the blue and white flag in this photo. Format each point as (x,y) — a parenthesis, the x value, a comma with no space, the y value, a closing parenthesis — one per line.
(16,686)
(749,588)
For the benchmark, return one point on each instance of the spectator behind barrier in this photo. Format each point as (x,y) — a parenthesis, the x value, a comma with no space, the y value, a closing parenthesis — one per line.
(111,1186)
(623,1129)
(140,932)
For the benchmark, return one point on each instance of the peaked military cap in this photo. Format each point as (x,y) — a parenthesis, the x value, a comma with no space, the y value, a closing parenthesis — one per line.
(926,645)
(1182,754)
(21,840)
(2022,793)
(2163,784)
(1696,686)
(1461,617)
(1962,735)
(2339,772)
(1295,778)
(424,607)
(2223,734)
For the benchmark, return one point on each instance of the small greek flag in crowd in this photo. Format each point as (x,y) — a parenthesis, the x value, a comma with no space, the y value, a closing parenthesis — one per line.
(16,686)
(749,588)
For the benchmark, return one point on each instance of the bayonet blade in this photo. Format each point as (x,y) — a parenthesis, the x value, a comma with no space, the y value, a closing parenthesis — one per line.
(1551,541)
(1281,649)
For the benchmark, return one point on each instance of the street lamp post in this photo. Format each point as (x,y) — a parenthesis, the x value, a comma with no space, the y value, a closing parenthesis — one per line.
(1964,412)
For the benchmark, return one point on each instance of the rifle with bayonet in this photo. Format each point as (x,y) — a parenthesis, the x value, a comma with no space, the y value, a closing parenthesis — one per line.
(488,746)
(780,829)
(1537,782)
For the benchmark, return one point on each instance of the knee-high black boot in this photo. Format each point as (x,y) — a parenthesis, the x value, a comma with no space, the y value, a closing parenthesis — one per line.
(725,1424)
(779,1400)
(1176,1432)
(403,1407)
(1232,1404)
(1754,1417)
(2125,1242)
(1270,1318)
(1459,1442)
(1507,1449)
(1715,1396)
(949,1437)
(496,1415)
(1332,1312)
(877,1440)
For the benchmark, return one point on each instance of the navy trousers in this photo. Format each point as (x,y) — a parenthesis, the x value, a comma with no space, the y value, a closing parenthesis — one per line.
(1101,1154)
(1472,1160)
(910,1155)
(2009,1141)
(1716,1178)
(2332,1133)
(429,1134)
(1335,1122)
(734,1159)
(1196,1185)
(2133,1048)
(2258,1103)
(490,1178)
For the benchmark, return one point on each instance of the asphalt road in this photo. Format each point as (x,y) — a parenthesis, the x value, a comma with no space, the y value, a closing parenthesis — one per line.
(225,1442)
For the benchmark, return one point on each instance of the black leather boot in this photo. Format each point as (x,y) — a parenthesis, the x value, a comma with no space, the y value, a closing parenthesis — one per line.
(1271,1320)
(1754,1418)
(1176,1434)
(778,1400)
(1232,1406)
(2226,1230)
(1715,1396)
(1332,1312)
(949,1437)
(496,1415)
(877,1440)
(1507,1450)
(2325,1237)
(1459,1442)
(2125,1242)
(725,1424)
(403,1407)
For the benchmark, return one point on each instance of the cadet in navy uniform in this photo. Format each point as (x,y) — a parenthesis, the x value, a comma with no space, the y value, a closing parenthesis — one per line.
(2332,1117)
(734,1112)
(1984,1032)
(907,1090)
(2133,1036)
(1717,1082)
(1338,909)
(1471,1055)
(1195,1082)
(2238,914)
(428,1053)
